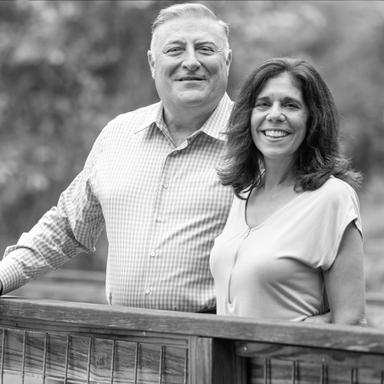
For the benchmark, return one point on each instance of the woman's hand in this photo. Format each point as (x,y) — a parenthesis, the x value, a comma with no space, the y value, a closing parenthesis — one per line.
(325,318)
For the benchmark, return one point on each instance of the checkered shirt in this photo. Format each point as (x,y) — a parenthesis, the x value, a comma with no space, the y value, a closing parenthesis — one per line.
(162,207)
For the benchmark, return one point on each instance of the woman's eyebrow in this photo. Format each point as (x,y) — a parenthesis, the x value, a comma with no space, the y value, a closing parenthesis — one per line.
(290,98)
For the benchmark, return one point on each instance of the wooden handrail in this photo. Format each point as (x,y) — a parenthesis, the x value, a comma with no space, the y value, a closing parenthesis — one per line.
(83,315)
(82,343)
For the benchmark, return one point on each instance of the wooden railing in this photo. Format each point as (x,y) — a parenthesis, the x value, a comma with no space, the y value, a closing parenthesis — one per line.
(63,342)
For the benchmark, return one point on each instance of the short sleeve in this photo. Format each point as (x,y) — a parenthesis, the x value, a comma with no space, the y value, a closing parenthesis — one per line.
(338,208)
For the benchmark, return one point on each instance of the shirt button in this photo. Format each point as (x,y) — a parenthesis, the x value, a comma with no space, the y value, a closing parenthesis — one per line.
(165,185)
(153,254)
(148,291)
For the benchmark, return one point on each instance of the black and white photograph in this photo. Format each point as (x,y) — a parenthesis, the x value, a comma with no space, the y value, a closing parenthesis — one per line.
(191,192)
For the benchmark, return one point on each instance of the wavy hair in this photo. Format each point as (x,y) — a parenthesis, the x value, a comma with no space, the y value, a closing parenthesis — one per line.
(317,158)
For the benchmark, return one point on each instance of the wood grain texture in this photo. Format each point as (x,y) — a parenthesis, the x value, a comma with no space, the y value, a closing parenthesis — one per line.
(112,319)
(58,342)
(213,361)
(281,372)
(311,355)
(88,358)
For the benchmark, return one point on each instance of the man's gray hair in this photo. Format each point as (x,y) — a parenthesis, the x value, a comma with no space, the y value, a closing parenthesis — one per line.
(187,10)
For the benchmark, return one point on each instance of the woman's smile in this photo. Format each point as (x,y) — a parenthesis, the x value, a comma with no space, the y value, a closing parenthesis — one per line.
(275,133)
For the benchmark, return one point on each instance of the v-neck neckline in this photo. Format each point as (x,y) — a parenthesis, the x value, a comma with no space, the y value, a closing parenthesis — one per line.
(274,213)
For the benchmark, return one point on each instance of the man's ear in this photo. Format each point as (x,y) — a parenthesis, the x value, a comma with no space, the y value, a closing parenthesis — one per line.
(151,62)
(228,60)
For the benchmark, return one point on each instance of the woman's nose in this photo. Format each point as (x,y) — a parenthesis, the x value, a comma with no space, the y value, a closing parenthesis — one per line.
(275,114)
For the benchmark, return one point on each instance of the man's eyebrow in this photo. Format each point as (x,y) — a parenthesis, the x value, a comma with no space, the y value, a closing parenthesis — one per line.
(174,42)
(205,42)
(208,43)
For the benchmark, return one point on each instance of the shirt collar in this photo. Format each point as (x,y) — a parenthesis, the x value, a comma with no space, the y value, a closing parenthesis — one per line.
(217,123)
(154,115)
(214,126)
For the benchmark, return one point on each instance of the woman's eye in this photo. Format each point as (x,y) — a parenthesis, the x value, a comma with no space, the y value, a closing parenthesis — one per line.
(261,104)
(292,106)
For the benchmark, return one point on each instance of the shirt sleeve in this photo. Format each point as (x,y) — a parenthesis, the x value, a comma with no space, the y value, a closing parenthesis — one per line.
(66,230)
(339,208)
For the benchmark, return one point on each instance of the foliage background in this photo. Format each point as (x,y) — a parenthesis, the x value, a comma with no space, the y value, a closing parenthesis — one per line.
(68,67)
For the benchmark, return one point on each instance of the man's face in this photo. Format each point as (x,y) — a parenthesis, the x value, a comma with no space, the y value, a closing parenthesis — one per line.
(189,61)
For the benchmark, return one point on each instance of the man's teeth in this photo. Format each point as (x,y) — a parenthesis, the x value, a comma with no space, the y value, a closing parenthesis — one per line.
(275,133)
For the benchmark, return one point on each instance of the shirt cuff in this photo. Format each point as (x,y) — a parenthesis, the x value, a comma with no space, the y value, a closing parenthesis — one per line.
(11,276)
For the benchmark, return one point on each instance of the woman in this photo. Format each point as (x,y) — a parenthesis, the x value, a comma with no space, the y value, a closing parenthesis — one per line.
(293,239)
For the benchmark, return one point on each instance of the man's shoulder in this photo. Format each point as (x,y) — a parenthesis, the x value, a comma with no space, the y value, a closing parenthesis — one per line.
(136,117)
(126,124)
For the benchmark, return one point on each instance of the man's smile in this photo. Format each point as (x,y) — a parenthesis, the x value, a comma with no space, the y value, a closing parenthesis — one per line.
(190,78)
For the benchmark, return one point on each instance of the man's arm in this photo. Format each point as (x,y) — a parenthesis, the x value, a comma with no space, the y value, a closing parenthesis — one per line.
(63,232)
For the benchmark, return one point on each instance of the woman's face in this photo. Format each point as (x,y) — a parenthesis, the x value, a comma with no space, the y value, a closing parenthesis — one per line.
(279,118)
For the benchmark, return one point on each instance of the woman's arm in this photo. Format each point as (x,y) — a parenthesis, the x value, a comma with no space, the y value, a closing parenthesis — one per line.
(345,282)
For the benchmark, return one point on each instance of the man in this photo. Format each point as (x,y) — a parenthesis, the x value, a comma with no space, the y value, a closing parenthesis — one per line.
(150,179)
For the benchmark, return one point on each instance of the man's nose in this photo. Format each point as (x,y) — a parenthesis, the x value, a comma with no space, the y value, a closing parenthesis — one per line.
(191,61)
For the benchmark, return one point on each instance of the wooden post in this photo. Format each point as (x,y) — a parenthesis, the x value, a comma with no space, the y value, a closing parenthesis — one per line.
(213,361)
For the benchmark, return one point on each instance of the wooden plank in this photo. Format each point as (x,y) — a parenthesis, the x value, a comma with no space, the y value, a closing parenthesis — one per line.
(90,287)
(103,318)
(281,372)
(200,361)
(86,358)
(310,355)
(227,366)
(214,362)
(304,365)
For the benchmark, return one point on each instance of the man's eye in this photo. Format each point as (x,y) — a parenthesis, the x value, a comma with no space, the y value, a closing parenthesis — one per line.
(173,50)
(206,50)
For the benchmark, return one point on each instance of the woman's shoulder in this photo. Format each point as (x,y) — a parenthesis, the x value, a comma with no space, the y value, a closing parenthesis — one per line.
(334,185)
(337,191)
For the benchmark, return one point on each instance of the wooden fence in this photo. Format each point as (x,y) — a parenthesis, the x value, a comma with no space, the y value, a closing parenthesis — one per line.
(62,342)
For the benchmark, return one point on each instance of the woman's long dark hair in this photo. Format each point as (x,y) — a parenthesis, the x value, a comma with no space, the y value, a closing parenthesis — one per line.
(318,157)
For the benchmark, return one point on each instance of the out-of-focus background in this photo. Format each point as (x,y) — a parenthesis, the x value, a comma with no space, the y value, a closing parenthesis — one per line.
(68,67)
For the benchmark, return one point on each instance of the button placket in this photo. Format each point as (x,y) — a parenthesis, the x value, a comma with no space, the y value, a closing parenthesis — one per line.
(158,218)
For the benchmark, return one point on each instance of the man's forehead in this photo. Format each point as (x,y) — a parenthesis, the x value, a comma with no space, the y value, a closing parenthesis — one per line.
(191,28)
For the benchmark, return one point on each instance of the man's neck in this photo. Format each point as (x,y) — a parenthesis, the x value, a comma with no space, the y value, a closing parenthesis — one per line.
(182,123)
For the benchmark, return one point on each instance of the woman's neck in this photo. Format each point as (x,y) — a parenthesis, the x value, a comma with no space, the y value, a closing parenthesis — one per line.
(278,175)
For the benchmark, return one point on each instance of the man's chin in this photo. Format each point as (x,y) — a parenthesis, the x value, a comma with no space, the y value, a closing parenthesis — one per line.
(194,99)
